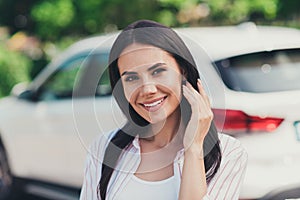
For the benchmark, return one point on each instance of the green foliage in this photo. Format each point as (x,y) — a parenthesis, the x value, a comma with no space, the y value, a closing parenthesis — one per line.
(220,11)
(176,3)
(14,68)
(232,12)
(289,9)
(65,17)
(52,17)
(167,17)
(116,12)
(89,15)
(268,8)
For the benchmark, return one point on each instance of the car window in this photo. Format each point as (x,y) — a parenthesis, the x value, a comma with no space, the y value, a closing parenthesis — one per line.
(262,72)
(82,76)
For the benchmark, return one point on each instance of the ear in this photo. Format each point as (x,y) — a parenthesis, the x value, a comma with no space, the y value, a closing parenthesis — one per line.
(184,79)
(183,72)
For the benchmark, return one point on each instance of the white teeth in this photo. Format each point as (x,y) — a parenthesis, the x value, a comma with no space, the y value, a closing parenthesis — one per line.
(154,103)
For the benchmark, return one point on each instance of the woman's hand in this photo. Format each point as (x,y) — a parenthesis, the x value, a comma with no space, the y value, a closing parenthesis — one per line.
(193,182)
(201,116)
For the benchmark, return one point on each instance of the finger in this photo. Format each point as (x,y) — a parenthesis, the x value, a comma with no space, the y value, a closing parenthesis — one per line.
(198,99)
(202,92)
(192,89)
(200,87)
(194,97)
(197,103)
(189,85)
(189,95)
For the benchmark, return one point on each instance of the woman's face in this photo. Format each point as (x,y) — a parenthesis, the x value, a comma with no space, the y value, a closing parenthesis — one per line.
(152,81)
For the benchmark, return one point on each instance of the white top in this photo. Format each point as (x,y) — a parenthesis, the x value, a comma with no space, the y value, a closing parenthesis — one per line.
(137,188)
(225,184)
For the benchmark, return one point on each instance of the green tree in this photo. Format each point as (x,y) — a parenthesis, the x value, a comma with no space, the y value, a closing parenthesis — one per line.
(52,17)
(64,17)
(289,13)
(14,68)
(218,12)
(232,12)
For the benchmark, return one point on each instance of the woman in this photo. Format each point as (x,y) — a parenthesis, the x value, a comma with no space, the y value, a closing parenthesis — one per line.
(169,148)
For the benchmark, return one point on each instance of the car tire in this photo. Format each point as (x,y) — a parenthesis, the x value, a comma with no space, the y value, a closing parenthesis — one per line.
(5,176)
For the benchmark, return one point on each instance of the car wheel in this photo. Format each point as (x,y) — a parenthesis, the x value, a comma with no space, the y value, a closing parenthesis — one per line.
(5,176)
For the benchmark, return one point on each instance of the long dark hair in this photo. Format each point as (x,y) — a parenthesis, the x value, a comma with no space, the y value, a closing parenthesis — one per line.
(158,35)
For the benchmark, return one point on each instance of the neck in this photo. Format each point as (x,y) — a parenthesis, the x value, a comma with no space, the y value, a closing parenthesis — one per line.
(164,132)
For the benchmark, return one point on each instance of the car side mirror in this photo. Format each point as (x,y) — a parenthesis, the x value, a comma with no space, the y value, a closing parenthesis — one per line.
(21,91)
(27,95)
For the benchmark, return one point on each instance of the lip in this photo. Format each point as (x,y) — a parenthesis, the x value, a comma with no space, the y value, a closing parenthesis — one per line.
(153,108)
(154,100)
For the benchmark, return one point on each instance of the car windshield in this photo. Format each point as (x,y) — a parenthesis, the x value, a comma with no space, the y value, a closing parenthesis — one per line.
(268,71)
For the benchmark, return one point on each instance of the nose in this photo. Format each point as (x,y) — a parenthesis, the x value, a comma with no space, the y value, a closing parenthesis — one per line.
(148,89)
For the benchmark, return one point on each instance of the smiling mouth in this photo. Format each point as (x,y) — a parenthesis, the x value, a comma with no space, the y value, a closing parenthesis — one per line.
(155,105)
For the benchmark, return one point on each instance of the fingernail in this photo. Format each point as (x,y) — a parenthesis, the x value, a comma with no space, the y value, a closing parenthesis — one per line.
(184,88)
(199,81)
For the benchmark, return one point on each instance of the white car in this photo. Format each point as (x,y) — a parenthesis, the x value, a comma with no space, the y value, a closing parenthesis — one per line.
(251,72)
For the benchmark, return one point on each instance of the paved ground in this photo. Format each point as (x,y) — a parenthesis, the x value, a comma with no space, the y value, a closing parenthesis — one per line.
(19,187)
(26,197)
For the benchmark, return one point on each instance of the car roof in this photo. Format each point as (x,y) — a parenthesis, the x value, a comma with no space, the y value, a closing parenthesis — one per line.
(219,42)
(227,41)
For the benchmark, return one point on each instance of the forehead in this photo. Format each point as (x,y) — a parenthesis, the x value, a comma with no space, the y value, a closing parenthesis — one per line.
(138,56)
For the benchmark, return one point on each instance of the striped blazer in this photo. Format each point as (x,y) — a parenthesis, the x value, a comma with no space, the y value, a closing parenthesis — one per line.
(226,183)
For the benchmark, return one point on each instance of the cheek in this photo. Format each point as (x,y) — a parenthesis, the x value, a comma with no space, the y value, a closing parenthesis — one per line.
(173,85)
(177,91)
(130,92)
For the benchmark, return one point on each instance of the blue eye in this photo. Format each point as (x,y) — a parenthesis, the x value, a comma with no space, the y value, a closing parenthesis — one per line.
(131,78)
(157,71)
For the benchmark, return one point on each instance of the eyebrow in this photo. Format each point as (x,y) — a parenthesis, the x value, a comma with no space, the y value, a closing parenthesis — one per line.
(149,69)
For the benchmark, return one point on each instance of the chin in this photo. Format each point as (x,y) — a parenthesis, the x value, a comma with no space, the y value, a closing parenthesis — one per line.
(156,119)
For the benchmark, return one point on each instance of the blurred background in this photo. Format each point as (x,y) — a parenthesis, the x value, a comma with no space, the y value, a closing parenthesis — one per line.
(33,31)
(38,122)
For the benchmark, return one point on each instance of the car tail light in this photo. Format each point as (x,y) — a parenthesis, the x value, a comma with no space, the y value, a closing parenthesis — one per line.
(233,121)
